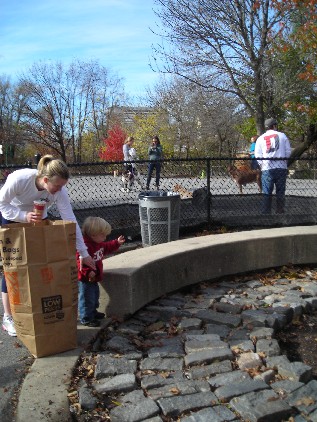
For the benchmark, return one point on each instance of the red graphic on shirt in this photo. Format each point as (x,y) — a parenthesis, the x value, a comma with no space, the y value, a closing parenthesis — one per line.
(272,142)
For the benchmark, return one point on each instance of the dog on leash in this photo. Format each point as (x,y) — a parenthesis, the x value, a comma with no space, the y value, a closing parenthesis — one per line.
(129,176)
(243,175)
(127,179)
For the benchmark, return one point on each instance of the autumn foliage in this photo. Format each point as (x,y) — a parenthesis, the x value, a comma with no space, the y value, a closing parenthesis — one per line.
(112,149)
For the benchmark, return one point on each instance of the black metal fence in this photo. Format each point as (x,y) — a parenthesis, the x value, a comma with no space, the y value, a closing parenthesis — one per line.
(209,195)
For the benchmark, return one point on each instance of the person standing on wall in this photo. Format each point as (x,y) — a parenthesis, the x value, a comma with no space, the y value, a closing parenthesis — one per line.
(155,153)
(271,146)
(22,187)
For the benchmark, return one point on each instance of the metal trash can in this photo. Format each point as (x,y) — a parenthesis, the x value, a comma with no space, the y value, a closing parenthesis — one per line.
(159,217)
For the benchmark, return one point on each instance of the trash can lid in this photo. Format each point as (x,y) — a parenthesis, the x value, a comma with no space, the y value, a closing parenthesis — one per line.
(158,194)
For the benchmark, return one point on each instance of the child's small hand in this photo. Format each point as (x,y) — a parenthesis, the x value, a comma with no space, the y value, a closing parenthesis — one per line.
(121,240)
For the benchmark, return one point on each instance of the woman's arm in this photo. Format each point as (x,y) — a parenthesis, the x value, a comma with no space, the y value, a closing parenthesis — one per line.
(65,209)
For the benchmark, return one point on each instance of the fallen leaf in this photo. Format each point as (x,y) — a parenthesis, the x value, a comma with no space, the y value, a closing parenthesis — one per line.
(175,391)
(305,401)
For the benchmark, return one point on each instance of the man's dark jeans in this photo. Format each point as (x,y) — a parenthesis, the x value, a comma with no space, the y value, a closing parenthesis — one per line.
(271,178)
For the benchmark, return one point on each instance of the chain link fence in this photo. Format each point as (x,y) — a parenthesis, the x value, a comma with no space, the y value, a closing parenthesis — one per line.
(210,196)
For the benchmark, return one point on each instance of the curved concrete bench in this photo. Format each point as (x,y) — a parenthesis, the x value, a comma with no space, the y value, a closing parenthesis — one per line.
(135,278)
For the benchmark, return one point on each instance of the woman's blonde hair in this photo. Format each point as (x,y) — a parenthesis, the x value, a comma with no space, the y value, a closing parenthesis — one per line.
(49,167)
(95,225)
(129,139)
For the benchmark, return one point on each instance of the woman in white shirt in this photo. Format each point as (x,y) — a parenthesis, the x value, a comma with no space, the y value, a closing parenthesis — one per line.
(21,189)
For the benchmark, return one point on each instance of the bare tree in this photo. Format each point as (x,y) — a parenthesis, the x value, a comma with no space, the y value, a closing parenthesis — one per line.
(203,121)
(65,104)
(221,45)
(12,103)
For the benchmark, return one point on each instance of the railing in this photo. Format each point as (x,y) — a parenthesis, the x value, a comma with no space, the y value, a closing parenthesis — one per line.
(209,195)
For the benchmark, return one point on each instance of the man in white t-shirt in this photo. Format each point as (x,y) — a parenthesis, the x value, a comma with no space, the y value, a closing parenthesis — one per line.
(271,146)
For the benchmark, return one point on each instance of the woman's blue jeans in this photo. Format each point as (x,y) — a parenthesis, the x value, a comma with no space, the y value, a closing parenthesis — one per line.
(271,178)
(157,166)
(88,300)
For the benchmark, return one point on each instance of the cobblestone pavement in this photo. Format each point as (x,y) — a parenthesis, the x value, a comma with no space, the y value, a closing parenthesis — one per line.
(205,354)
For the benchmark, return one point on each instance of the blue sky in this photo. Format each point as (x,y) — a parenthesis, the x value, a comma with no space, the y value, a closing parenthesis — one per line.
(115,32)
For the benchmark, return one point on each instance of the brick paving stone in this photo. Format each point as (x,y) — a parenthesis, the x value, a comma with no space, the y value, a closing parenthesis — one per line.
(221,330)
(269,347)
(228,378)
(249,360)
(262,333)
(116,384)
(266,376)
(155,381)
(243,345)
(202,343)
(312,301)
(190,323)
(227,308)
(120,344)
(174,406)
(304,398)
(180,387)
(132,326)
(286,386)
(235,389)
(298,371)
(261,406)
(239,334)
(207,371)
(219,318)
(208,356)
(162,364)
(255,318)
(87,399)
(135,412)
(167,348)
(211,414)
(107,365)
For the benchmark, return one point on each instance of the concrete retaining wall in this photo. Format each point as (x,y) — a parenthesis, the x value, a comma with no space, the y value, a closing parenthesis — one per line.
(135,278)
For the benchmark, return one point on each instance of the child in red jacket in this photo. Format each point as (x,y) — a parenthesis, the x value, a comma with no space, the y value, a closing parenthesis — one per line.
(95,230)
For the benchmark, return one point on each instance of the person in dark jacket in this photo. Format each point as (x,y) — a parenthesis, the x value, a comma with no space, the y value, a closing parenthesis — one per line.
(155,153)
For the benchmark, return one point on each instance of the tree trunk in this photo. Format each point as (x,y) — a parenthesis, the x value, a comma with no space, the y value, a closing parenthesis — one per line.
(311,138)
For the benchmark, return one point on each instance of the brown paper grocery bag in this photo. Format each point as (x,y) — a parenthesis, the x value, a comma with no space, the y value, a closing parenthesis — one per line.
(40,269)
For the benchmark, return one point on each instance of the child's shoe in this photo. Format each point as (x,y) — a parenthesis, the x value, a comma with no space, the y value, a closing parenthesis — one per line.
(99,315)
(8,325)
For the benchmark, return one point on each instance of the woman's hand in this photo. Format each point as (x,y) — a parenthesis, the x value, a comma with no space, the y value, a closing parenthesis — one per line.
(32,217)
(89,262)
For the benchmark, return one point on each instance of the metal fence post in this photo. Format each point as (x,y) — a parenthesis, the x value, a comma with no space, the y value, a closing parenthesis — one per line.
(208,174)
